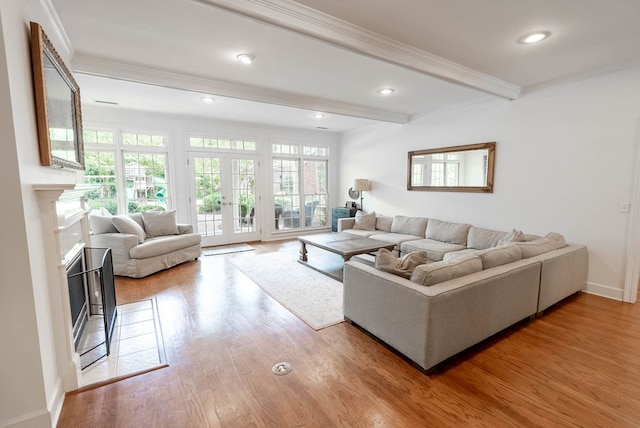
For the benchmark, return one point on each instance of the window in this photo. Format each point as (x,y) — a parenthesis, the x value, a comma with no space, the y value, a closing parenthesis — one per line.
(129,169)
(299,186)
(220,143)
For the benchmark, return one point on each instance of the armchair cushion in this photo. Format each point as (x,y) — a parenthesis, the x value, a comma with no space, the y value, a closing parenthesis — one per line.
(125,224)
(101,224)
(160,223)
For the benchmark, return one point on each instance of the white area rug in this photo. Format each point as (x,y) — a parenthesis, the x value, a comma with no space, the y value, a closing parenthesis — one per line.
(311,296)
(215,251)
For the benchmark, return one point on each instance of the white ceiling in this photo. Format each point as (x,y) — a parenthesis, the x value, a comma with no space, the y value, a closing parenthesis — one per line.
(330,56)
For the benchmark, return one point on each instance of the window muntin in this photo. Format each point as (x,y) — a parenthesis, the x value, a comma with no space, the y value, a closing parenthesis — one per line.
(221,143)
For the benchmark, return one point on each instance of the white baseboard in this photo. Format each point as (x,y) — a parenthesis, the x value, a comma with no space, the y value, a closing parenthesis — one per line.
(604,291)
(40,418)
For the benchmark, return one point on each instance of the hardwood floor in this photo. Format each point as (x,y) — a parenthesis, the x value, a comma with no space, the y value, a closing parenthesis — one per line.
(578,365)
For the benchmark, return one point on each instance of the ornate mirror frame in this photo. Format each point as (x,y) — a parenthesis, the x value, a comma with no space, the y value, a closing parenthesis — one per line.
(57,98)
(488,166)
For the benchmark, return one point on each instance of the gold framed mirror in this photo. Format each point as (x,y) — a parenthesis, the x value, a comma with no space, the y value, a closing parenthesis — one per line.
(58,112)
(467,168)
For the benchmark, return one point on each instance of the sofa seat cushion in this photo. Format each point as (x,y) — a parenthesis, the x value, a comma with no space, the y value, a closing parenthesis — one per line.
(394,238)
(163,244)
(434,273)
(359,232)
(481,239)
(434,249)
(444,231)
(409,225)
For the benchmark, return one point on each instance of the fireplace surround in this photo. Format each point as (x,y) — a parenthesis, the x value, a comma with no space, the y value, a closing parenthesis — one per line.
(65,231)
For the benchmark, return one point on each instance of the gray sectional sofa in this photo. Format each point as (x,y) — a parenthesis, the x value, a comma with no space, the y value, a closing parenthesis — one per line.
(476,283)
(144,243)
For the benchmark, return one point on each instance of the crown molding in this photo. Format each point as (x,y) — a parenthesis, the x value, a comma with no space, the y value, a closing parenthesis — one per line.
(66,47)
(96,66)
(310,22)
(627,65)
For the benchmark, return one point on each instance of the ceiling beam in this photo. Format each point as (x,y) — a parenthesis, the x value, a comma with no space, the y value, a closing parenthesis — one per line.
(96,66)
(310,22)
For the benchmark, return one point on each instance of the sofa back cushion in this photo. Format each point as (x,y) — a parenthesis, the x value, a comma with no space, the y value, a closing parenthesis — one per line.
(409,225)
(384,222)
(365,221)
(160,223)
(483,238)
(125,224)
(498,256)
(434,273)
(541,246)
(444,231)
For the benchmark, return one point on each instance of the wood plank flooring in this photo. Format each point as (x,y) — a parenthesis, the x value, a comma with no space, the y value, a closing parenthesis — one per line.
(578,365)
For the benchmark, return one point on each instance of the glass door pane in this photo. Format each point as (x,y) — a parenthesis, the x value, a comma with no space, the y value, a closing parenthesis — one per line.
(207,177)
(224,198)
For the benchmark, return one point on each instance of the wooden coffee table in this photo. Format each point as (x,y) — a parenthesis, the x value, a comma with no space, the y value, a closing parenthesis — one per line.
(344,244)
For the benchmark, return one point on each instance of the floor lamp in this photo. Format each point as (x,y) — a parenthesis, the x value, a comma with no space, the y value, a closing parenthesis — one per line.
(362,185)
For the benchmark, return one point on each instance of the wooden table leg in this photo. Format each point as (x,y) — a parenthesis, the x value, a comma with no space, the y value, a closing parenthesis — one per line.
(303,251)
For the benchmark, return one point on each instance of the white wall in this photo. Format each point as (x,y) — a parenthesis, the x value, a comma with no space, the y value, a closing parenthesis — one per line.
(178,128)
(564,161)
(31,390)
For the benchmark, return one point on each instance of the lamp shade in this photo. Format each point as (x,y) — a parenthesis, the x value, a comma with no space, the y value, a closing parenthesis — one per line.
(362,184)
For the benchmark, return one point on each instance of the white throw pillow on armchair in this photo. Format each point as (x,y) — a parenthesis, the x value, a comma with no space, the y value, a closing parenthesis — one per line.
(160,223)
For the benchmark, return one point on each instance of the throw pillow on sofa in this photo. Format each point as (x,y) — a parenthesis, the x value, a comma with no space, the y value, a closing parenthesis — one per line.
(126,224)
(513,236)
(434,273)
(160,223)
(365,221)
(403,266)
(101,224)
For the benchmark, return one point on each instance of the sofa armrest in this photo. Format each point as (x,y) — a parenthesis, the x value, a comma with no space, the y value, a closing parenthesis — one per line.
(564,272)
(120,244)
(346,223)
(185,228)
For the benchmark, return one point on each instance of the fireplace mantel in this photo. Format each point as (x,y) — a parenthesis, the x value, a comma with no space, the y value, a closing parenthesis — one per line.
(65,229)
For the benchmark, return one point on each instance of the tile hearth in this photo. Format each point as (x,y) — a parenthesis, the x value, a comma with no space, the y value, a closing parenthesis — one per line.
(136,344)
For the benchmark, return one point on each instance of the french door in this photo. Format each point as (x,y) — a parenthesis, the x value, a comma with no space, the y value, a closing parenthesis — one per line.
(223,197)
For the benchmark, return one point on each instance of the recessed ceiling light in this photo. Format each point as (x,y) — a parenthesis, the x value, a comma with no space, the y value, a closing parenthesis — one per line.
(535,37)
(207,99)
(246,58)
(318,115)
(386,91)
